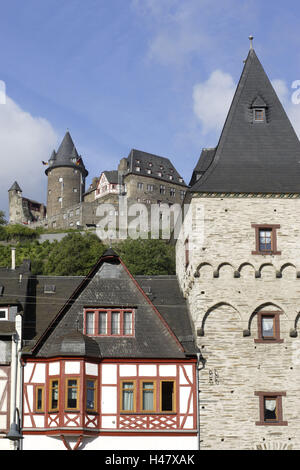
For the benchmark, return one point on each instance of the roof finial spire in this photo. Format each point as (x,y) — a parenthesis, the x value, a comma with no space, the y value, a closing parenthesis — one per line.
(251,39)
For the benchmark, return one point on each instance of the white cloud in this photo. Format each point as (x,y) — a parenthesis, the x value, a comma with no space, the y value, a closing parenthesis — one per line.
(212,99)
(24,142)
(289,98)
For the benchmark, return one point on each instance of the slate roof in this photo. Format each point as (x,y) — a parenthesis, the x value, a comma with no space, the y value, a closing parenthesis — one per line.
(148,161)
(204,162)
(162,325)
(254,157)
(66,155)
(13,292)
(15,187)
(112,176)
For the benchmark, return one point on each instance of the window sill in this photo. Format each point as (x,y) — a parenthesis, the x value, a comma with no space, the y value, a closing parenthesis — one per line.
(146,413)
(275,423)
(264,253)
(268,341)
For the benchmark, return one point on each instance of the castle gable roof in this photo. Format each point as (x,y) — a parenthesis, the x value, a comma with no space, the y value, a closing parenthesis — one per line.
(254,157)
(155,166)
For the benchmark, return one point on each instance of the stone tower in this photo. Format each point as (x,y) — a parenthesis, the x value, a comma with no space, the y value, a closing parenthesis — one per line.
(15,204)
(238,264)
(66,178)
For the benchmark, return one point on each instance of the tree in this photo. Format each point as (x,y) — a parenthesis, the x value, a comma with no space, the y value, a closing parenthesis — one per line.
(147,257)
(74,255)
(3,221)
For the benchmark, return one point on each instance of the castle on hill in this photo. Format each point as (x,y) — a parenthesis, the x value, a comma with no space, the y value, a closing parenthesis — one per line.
(140,178)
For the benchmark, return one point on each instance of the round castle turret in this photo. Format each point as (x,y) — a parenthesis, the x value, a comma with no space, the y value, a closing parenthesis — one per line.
(66,178)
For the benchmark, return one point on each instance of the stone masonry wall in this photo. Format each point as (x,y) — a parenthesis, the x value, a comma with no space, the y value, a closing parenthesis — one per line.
(226,285)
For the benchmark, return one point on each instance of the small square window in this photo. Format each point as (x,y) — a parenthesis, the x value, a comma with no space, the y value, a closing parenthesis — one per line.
(270,408)
(49,289)
(266,239)
(268,327)
(259,114)
(4,313)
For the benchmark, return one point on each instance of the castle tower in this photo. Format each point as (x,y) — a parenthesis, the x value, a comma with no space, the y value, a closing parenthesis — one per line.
(238,264)
(15,204)
(66,178)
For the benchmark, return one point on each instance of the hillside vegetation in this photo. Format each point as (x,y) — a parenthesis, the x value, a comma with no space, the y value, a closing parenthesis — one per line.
(75,254)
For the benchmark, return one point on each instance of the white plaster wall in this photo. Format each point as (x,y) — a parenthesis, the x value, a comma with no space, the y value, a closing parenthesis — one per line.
(115,443)
(109,374)
(72,367)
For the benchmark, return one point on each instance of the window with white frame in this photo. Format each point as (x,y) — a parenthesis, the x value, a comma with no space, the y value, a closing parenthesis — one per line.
(3,313)
(109,322)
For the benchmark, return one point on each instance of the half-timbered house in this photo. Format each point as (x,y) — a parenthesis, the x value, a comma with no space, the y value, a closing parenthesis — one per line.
(111,364)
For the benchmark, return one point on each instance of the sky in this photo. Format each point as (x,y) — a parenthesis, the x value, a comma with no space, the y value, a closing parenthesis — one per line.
(154,75)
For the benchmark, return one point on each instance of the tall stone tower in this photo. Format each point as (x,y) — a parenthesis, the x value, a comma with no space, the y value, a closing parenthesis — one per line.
(66,178)
(238,264)
(15,204)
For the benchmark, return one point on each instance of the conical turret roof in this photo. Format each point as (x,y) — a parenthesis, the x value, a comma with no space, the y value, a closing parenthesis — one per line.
(254,156)
(66,155)
(15,187)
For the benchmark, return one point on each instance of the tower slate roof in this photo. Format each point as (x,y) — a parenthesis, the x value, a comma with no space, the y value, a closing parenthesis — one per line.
(15,187)
(254,157)
(66,155)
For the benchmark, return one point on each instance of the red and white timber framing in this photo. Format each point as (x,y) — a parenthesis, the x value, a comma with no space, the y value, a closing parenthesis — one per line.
(108,419)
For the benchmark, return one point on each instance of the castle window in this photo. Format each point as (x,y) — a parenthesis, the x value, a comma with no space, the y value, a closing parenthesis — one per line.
(162,189)
(159,174)
(60,179)
(172,192)
(150,187)
(75,190)
(182,194)
(149,172)
(268,327)
(140,186)
(265,239)
(109,322)
(137,168)
(270,408)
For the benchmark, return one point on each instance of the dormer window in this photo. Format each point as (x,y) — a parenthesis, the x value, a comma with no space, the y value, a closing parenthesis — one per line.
(3,313)
(259,107)
(259,114)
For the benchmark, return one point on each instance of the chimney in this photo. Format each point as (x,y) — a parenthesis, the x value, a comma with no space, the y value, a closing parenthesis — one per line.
(13,258)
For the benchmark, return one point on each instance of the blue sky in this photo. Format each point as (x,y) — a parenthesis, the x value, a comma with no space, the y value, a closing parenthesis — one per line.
(156,75)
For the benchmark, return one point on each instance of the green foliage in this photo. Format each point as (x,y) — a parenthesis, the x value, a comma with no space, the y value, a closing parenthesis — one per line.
(147,257)
(3,221)
(76,254)
(17,232)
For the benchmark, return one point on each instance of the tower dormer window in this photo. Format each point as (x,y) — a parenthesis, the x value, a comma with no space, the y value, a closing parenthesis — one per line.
(259,114)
